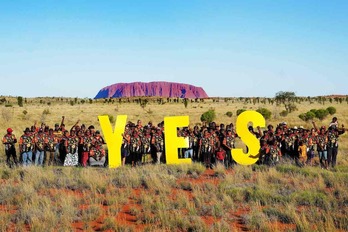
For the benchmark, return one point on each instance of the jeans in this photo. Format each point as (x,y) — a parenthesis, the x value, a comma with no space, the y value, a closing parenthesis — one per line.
(27,158)
(188,153)
(159,155)
(39,158)
(322,155)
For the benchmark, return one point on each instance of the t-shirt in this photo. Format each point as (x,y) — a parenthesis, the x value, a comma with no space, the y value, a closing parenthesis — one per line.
(302,150)
(220,155)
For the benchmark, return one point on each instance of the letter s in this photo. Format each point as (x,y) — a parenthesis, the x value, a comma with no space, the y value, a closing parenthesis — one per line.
(248,138)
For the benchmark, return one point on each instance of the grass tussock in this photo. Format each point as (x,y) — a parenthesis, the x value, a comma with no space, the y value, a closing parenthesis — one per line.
(177,197)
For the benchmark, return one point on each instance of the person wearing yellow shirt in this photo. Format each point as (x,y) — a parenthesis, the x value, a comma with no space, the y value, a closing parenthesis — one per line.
(302,153)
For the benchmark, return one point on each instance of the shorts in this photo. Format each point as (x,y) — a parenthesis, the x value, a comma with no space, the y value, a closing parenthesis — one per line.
(310,154)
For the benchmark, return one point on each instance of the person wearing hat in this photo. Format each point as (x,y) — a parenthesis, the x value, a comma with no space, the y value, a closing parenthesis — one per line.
(9,140)
(26,144)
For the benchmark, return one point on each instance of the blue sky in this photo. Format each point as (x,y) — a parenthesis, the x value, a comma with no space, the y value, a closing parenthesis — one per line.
(230,48)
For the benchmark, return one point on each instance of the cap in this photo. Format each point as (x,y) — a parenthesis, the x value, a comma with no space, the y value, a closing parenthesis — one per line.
(97,132)
(9,130)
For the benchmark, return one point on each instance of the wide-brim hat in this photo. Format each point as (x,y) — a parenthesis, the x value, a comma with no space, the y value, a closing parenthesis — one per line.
(27,129)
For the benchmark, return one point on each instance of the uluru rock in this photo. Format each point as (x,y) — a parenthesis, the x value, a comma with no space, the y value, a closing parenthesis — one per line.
(151,89)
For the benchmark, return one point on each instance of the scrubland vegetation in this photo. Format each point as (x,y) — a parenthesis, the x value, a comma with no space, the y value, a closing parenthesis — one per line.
(167,197)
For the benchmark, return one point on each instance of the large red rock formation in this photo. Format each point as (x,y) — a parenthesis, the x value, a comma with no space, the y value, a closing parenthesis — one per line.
(158,89)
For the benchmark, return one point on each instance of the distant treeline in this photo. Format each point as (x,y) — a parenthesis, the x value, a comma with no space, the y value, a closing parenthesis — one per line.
(10,101)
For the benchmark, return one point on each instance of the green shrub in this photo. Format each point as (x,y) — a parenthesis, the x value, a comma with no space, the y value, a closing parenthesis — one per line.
(284,113)
(229,114)
(331,110)
(239,111)
(310,115)
(208,116)
(46,111)
(265,113)
(321,114)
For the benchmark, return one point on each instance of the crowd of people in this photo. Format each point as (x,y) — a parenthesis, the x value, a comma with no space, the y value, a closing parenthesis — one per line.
(141,144)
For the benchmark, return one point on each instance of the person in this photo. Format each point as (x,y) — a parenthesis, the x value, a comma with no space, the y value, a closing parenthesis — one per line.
(9,140)
(302,154)
(196,138)
(322,141)
(334,123)
(274,154)
(146,146)
(332,146)
(125,151)
(97,153)
(25,147)
(228,144)
(220,156)
(189,151)
(51,145)
(135,148)
(158,142)
(71,149)
(39,140)
(206,147)
(312,143)
(263,152)
(87,141)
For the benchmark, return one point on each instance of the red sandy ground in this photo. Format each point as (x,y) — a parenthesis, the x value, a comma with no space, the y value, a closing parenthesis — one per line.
(125,217)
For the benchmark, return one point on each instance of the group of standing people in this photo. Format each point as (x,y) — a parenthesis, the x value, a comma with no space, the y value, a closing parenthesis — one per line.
(301,144)
(55,146)
(209,144)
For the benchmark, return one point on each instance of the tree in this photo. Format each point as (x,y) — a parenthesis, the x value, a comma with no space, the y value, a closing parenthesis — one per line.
(208,116)
(20,101)
(185,102)
(286,98)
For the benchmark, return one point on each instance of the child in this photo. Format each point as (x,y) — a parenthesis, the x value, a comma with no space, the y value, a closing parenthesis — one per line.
(302,153)
(220,155)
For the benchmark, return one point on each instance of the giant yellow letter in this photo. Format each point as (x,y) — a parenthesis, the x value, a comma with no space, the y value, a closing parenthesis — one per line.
(172,141)
(113,139)
(248,138)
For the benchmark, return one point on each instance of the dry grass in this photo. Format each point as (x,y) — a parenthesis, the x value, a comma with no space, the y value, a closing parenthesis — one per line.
(175,197)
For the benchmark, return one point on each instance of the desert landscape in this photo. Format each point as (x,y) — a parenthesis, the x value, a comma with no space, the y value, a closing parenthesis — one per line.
(172,197)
